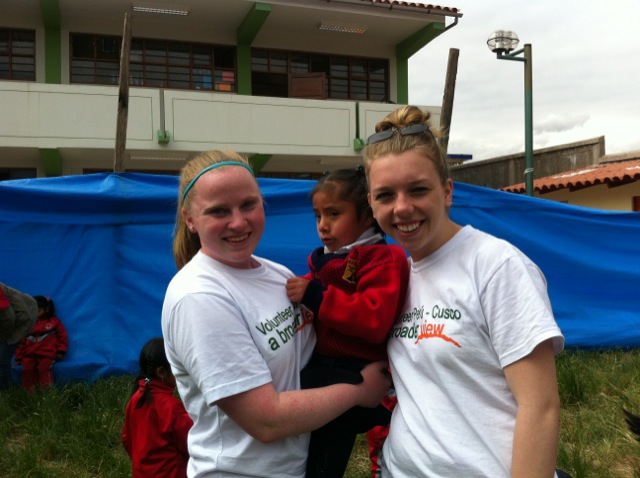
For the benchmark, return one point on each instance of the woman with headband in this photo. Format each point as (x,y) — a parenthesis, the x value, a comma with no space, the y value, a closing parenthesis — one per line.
(235,342)
(472,353)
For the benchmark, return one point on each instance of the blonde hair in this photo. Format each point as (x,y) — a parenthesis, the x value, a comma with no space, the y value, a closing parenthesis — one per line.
(424,143)
(186,243)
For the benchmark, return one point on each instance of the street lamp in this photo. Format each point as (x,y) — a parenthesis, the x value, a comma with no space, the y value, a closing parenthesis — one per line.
(502,43)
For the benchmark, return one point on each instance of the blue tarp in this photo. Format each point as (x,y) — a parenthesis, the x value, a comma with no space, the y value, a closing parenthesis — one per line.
(100,246)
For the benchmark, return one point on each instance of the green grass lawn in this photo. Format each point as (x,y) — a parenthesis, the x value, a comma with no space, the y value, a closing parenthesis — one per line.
(73,431)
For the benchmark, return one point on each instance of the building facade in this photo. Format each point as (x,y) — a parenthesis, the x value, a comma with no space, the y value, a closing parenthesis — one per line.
(296,85)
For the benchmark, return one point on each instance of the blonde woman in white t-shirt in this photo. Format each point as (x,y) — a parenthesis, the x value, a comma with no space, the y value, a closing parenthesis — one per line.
(472,355)
(235,342)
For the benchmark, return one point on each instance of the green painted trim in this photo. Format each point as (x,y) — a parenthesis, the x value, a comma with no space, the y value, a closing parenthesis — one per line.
(243,62)
(50,10)
(414,43)
(406,49)
(51,162)
(164,138)
(259,161)
(52,57)
(245,34)
(402,75)
(252,23)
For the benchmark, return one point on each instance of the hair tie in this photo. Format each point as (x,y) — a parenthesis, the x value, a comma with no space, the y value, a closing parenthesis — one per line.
(209,168)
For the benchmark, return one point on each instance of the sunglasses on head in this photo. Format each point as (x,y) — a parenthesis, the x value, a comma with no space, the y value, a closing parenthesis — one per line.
(406,131)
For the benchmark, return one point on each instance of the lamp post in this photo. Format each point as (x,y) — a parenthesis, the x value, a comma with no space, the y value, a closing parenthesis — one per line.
(502,43)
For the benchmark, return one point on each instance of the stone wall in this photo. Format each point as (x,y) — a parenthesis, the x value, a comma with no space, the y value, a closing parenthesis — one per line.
(508,170)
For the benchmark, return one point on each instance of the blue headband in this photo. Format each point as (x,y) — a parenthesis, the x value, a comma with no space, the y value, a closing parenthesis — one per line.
(209,168)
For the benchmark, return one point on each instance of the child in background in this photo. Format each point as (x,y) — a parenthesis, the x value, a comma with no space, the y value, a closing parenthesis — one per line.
(355,289)
(156,423)
(42,347)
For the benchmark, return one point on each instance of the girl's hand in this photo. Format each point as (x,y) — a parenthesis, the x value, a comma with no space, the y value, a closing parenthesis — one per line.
(296,287)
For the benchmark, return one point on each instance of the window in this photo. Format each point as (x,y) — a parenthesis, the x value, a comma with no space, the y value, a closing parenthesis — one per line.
(17,54)
(17,173)
(154,63)
(347,77)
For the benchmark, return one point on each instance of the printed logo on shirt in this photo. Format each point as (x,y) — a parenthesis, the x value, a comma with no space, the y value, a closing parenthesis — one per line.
(350,271)
(284,325)
(420,324)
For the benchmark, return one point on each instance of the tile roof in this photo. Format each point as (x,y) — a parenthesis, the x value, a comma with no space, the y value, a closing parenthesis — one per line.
(612,174)
(425,6)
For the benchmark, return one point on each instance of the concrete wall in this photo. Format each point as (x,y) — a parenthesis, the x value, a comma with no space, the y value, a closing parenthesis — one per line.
(506,171)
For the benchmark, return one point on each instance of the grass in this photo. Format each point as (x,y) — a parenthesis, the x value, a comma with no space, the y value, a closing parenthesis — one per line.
(73,431)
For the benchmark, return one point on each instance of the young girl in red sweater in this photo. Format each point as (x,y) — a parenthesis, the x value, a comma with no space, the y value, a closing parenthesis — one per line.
(156,423)
(42,347)
(355,289)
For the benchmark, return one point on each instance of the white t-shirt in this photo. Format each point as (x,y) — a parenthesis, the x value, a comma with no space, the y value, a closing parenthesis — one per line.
(227,331)
(473,307)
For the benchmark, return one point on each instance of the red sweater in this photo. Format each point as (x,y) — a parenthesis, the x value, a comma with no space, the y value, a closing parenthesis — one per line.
(47,338)
(155,435)
(356,297)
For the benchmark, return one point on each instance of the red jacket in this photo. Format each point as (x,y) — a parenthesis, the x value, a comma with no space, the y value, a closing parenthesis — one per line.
(356,297)
(155,435)
(47,339)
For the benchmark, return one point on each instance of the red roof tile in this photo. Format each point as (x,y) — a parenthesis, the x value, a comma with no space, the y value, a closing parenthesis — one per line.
(426,6)
(613,174)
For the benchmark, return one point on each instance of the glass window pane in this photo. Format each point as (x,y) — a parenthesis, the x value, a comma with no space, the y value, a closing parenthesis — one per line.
(135,55)
(202,78)
(82,71)
(358,90)
(225,57)
(179,77)
(82,46)
(359,68)
(4,41)
(299,63)
(4,66)
(155,51)
(319,64)
(107,73)
(278,62)
(179,53)
(378,91)
(23,43)
(340,67)
(108,48)
(339,88)
(259,60)
(136,75)
(156,75)
(225,80)
(202,55)
(378,70)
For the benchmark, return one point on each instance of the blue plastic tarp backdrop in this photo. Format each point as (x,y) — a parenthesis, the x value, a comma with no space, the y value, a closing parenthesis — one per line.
(100,246)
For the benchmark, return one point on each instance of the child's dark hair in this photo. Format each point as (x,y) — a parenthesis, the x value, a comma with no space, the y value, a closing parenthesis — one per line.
(348,185)
(152,356)
(46,304)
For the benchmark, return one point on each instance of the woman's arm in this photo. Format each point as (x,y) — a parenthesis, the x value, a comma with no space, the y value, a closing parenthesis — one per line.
(269,416)
(534,385)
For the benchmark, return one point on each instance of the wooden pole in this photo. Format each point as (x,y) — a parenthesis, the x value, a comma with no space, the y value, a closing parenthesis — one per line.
(447,99)
(123,97)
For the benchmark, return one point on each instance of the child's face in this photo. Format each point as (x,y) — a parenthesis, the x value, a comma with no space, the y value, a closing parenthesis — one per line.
(41,312)
(337,221)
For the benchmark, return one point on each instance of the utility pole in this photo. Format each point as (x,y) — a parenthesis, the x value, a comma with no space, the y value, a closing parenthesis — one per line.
(123,97)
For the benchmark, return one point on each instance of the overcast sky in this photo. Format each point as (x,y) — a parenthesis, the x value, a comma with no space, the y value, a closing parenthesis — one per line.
(586,75)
